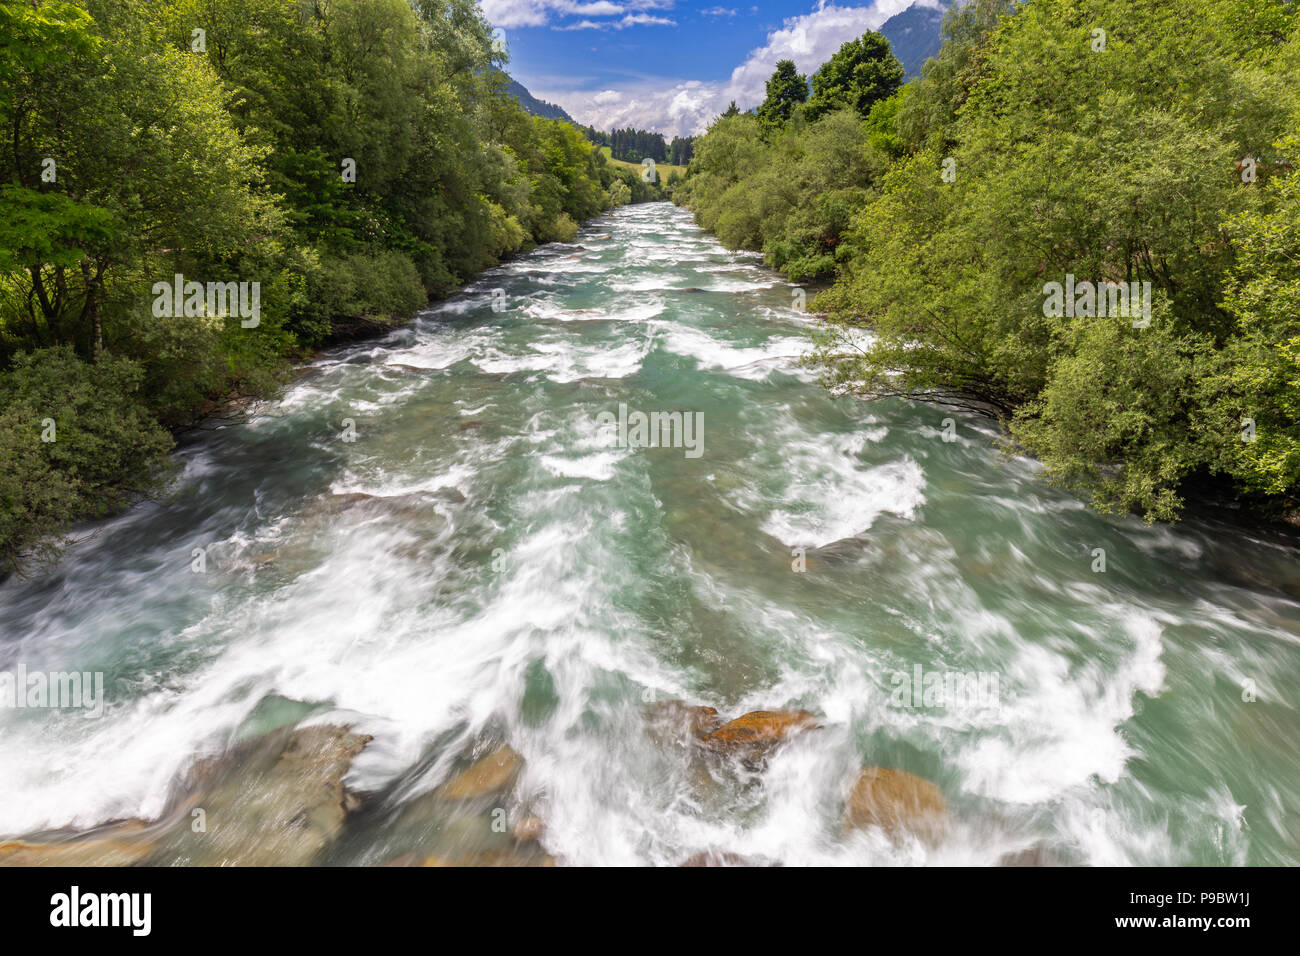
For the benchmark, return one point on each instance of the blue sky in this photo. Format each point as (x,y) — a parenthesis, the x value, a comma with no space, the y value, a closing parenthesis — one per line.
(670,65)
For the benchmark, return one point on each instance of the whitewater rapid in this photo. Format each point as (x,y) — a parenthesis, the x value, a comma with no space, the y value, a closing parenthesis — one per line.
(515,576)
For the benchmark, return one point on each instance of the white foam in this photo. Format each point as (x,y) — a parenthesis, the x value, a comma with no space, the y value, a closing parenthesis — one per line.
(833,494)
(754,363)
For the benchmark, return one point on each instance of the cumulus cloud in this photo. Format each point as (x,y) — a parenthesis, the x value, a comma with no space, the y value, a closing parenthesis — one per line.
(679,109)
(685,107)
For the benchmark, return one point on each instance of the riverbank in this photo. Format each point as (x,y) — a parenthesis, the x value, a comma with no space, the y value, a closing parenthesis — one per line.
(1217,496)
(1138,333)
(342,334)
(160,260)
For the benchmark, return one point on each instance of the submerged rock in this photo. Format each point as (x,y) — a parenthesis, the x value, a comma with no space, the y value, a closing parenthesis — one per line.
(487,775)
(121,844)
(1031,856)
(528,829)
(475,810)
(279,801)
(451,494)
(276,801)
(896,801)
(413,506)
(676,720)
(753,736)
(334,503)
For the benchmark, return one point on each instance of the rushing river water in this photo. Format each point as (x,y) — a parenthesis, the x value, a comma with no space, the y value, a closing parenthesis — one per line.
(518,577)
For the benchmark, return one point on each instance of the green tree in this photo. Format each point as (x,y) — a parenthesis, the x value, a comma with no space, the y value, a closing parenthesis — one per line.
(1030,181)
(787,89)
(928,104)
(75,442)
(860,73)
(349,157)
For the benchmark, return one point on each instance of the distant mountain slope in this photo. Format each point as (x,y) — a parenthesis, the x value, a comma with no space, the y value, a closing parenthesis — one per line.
(532,104)
(914,36)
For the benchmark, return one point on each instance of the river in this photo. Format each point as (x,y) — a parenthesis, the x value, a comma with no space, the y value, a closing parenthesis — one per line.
(519,577)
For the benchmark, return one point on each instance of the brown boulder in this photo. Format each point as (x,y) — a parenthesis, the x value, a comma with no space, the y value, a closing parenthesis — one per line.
(528,829)
(895,801)
(487,775)
(754,735)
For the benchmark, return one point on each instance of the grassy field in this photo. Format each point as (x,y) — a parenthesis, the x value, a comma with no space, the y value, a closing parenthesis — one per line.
(663,169)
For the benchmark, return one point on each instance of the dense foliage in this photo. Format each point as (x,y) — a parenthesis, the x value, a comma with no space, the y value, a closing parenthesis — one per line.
(1058,141)
(681,150)
(860,73)
(350,157)
(787,90)
(594,136)
(633,145)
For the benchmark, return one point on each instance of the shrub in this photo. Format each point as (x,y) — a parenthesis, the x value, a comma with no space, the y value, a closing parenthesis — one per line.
(75,441)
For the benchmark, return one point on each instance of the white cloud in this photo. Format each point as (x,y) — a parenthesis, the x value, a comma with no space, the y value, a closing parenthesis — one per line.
(645,19)
(676,108)
(516,13)
(539,13)
(683,107)
(718,12)
(631,20)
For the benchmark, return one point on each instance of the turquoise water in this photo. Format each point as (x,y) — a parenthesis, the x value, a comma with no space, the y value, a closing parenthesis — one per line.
(517,576)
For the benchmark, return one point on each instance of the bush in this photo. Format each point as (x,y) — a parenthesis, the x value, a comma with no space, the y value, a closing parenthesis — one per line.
(75,441)
(560,229)
(384,286)
(619,194)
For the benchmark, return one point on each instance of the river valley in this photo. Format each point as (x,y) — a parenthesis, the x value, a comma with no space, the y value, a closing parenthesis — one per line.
(434,540)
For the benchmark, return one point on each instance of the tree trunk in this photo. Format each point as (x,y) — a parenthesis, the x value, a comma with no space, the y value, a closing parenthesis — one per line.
(99,328)
(94,285)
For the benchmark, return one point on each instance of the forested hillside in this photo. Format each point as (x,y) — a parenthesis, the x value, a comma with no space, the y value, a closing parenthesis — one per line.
(633,145)
(533,105)
(293,171)
(1053,149)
